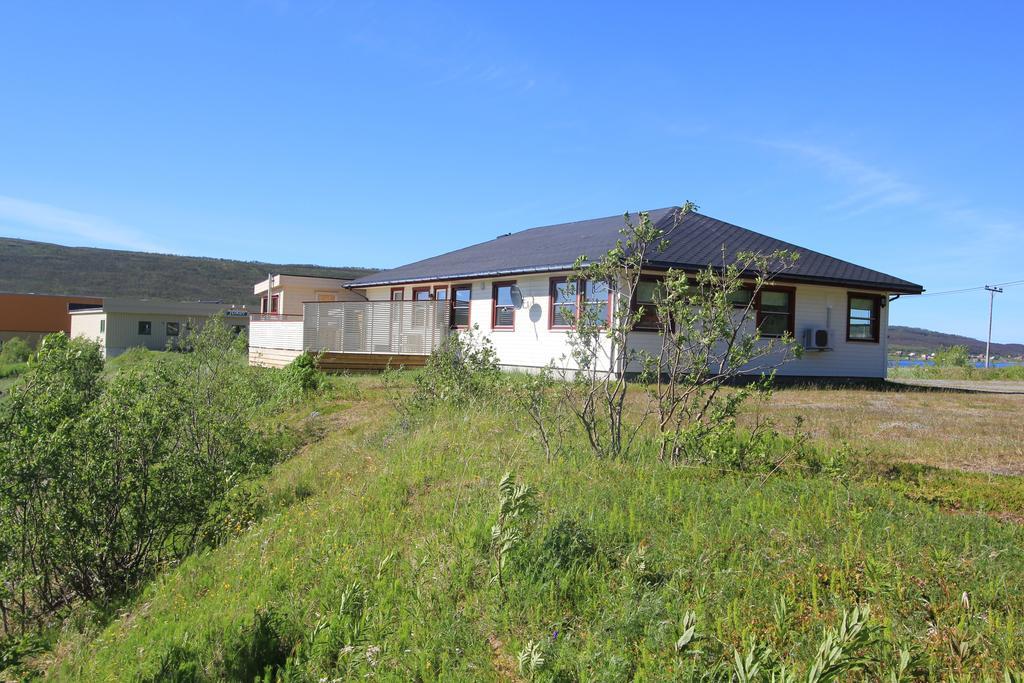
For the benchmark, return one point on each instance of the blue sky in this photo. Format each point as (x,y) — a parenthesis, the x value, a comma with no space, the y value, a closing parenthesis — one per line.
(373,134)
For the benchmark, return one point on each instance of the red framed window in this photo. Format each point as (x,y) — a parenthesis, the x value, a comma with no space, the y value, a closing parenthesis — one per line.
(776,311)
(645,302)
(863,317)
(566,299)
(274,303)
(440,292)
(462,296)
(503,309)
(398,293)
(419,313)
(564,304)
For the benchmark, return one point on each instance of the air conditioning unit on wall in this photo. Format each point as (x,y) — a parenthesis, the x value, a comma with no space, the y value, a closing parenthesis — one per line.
(817,339)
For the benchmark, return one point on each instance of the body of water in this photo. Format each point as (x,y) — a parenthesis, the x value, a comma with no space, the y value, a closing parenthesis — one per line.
(910,363)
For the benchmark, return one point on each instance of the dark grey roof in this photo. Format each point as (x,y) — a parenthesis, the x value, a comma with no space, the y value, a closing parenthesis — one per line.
(694,242)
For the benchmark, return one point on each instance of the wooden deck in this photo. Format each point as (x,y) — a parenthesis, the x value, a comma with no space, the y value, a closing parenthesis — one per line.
(369,362)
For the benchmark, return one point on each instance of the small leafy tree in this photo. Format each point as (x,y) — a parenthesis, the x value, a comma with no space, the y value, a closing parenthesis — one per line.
(953,357)
(600,353)
(710,337)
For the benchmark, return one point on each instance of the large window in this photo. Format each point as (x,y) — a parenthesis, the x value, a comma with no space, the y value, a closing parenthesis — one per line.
(172,329)
(441,292)
(568,298)
(503,313)
(863,316)
(461,297)
(775,311)
(421,293)
(645,302)
(397,293)
(563,303)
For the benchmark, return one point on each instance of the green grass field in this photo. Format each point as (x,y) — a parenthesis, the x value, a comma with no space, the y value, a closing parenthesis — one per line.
(373,561)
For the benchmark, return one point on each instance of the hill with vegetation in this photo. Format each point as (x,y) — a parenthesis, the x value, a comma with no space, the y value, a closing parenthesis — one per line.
(928,341)
(43,268)
(396,547)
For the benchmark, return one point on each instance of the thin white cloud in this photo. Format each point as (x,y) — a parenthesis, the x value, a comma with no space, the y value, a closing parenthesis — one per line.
(66,224)
(871,187)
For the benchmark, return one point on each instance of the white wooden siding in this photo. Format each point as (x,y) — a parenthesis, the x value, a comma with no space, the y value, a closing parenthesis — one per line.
(532,345)
(272,358)
(276,334)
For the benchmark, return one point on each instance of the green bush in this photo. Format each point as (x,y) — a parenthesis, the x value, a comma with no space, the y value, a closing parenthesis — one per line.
(465,367)
(304,374)
(14,350)
(953,357)
(108,480)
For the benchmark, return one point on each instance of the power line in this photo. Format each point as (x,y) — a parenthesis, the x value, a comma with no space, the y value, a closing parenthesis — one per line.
(1014,283)
(954,291)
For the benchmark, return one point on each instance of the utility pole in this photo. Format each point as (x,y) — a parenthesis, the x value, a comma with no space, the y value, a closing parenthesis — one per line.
(992,291)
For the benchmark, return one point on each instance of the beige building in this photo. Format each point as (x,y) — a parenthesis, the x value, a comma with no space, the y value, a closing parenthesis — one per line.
(122,324)
(287,293)
(276,338)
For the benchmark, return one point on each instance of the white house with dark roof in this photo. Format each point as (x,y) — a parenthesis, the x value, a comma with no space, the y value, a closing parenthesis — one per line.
(514,289)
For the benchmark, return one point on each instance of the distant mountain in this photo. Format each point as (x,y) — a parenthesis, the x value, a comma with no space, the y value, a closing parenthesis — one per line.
(43,268)
(916,339)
